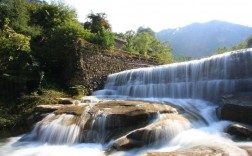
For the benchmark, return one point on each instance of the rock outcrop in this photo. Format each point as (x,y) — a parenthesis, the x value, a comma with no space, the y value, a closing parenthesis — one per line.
(130,123)
(160,131)
(236,108)
(240,132)
(112,119)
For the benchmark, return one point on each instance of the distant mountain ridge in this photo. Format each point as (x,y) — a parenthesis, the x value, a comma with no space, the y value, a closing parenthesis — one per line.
(201,39)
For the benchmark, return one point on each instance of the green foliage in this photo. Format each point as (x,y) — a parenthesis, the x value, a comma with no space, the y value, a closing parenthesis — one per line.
(222,50)
(14,51)
(142,43)
(17,11)
(161,51)
(50,16)
(243,45)
(55,47)
(146,30)
(145,42)
(47,96)
(129,37)
(97,23)
(180,58)
(103,38)
(100,29)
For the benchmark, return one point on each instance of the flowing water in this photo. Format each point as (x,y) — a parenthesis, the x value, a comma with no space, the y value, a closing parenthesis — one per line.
(188,86)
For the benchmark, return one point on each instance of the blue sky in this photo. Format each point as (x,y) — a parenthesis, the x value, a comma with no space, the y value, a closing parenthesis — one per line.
(126,15)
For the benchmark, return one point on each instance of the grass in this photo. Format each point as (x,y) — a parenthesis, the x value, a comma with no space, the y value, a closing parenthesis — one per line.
(14,113)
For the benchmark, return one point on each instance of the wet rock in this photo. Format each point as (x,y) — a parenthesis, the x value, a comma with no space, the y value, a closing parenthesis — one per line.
(74,110)
(47,108)
(113,119)
(120,114)
(109,120)
(248,149)
(196,151)
(158,132)
(42,111)
(236,108)
(65,101)
(240,132)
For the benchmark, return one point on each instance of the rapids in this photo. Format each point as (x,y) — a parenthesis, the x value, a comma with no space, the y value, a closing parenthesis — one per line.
(193,88)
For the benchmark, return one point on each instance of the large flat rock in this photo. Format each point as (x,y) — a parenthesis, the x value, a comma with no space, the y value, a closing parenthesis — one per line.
(113,119)
(236,108)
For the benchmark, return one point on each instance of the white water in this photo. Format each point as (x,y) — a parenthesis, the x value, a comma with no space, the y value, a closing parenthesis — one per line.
(209,133)
(203,79)
(56,130)
(206,79)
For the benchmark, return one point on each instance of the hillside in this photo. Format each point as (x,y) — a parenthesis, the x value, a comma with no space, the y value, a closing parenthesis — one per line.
(202,39)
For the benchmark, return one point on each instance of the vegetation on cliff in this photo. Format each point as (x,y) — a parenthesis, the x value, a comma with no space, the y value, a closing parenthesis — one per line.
(145,42)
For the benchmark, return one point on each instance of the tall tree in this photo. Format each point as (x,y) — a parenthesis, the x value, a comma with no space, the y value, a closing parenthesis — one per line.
(97,22)
(146,30)
(101,29)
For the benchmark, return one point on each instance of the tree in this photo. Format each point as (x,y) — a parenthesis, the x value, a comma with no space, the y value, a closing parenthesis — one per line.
(146,30)
(13,45)
(162,51)
(17,66)
(17,11)
(100,27)
(129,37)
(50,16)
(97,23)
(249,42)
(54,48)
(142,43)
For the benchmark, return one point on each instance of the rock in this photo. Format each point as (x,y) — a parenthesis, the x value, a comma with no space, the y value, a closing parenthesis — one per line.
(196,151)
(236,108)
(65,101)
(42,111)
(113,119)
(121,114)
(48,108)
(71,109)
(158,132)
(109,120)
(239,131)
(248,149)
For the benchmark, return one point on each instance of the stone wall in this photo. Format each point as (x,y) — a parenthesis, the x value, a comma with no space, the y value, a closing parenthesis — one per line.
(91,67)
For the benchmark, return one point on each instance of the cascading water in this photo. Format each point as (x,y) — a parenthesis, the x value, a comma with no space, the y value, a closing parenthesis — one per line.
(206,79)
(60,129)
(189,82)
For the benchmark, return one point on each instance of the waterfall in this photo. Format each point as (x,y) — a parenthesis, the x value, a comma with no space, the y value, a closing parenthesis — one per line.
(192,88)
(206,78)
(56,129)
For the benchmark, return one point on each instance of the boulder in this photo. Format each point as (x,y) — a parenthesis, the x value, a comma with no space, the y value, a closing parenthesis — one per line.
(158,132)
(129,120)
(196,151)
(236,108)
(113,119)
(240,132)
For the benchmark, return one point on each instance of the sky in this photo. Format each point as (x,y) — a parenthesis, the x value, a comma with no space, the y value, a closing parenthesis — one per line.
(124,15)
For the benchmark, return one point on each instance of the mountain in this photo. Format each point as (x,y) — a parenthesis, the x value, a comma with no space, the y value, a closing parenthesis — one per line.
(202,39)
